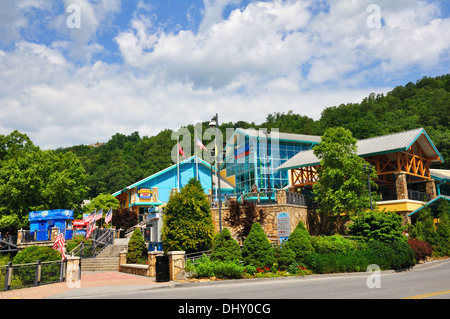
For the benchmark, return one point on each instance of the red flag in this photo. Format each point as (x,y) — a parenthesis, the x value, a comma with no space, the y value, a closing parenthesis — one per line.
(180,150)
(59,245)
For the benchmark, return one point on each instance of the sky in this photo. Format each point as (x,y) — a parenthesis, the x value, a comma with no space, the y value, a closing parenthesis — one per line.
(79,71)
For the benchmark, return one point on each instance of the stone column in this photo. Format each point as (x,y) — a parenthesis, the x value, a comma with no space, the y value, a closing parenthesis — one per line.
(431,189)
(122,258)
(401,186)
(152,262)
(55,231)
(176,265)
(73,272)
(281,196)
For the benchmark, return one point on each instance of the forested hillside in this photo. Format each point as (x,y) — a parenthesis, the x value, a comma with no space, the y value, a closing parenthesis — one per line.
(126,159)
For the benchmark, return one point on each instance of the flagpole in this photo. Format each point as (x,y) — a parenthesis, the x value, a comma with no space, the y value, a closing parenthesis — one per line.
(178,164)
(196,156)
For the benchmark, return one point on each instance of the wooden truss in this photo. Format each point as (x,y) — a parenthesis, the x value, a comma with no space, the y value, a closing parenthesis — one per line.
(305,176)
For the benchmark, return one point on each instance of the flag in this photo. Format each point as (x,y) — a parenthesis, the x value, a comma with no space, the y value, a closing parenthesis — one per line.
(99,215)
(90,229)
(180,150)
(200,144)
(91,216)
(59,245)
(108,216)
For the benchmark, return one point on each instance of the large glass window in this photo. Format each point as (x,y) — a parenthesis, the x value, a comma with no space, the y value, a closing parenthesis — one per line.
(252,160)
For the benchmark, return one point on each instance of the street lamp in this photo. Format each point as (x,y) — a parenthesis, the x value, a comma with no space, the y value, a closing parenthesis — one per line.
(267,165)
(215,123)
(368,170)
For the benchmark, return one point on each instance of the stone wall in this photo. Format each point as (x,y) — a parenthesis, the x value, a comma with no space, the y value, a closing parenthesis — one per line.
(312,221)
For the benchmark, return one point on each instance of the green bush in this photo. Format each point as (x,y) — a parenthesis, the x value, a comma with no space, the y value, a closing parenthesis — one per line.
(225,248)
(32,254)
(333,244)
(284,256)
(300,242)
(395,255)
(136,247)
(257,250)
(205,268)
(377,226)
(75,241)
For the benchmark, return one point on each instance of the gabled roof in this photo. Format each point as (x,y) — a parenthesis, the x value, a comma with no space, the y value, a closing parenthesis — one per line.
(391,143)
(440,174)
(433,203)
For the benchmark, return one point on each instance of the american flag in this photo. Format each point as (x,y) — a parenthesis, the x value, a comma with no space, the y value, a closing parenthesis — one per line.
(108,216)
(200,144)
(90,229)
(59,245)
(91,216)
(99,215)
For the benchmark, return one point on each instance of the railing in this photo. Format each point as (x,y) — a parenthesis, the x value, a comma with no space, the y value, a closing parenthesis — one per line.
(33,274)
(298,199)
(262,198)
(101,238)
(413,195)
(194,257)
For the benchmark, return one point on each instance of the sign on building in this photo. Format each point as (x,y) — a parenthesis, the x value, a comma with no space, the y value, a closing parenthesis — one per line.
(284,226)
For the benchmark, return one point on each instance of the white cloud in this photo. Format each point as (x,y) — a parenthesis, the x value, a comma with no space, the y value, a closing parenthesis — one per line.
(262,58)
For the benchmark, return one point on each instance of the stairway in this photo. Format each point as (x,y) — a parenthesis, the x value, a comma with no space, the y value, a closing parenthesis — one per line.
(108,259)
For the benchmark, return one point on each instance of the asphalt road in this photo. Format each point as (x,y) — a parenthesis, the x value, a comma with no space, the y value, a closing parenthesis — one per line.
(430,281)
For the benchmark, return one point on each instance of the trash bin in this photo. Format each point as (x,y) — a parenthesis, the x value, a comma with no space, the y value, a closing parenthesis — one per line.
(162,268)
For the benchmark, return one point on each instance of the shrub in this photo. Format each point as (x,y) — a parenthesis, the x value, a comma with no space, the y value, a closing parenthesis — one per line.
(395,255)
(75,241)
(335,243)
(136,247)
(205,267)
(300,242)
(284,256)
(257,250)
(225,247)
(377,226)
(32,254)
(421,248)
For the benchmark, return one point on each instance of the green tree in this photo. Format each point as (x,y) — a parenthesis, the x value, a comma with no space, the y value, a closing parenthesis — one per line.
(225,248)
(341,188)
(102,201)
(257,250)
(187,221)
(300,242)
(41,180)
(137,249)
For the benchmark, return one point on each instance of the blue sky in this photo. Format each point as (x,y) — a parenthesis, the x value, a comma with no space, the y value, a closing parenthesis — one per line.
(143,65)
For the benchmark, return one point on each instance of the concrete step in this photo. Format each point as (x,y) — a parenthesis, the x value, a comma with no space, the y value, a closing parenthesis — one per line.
(100,264)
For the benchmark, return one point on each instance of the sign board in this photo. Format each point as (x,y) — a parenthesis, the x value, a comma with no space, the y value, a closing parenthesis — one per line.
(145,193)
(284,225)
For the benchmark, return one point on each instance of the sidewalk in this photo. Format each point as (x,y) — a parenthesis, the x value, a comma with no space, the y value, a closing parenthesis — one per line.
(88,280)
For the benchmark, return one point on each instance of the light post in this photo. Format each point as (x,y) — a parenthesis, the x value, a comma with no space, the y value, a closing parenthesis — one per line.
(267,165)
(368,170)
(215,123)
